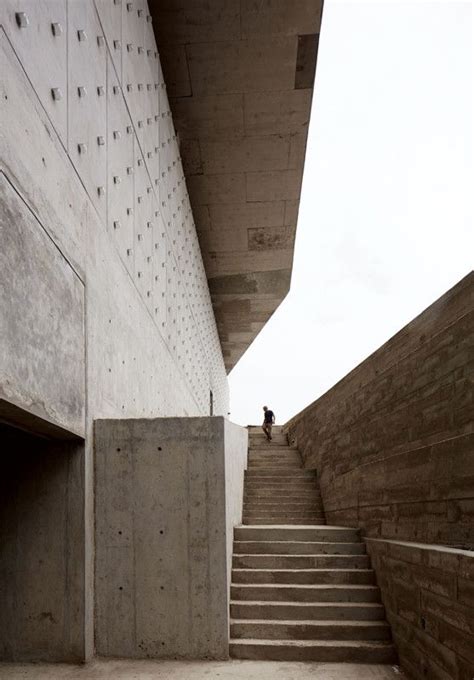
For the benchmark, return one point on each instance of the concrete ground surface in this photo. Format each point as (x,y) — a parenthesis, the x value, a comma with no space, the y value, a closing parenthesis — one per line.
(198,670)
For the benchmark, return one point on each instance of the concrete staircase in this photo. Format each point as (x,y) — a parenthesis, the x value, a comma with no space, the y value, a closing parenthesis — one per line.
(301,590)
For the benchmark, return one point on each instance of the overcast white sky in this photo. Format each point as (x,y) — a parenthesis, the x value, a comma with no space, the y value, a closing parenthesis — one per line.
(386,222)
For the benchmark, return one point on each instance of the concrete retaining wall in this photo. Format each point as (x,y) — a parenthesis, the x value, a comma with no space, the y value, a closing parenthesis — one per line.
(393,442)
(168,492)
(428,592)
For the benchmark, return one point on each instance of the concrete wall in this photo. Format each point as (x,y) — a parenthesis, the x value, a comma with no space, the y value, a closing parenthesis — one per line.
(105,305)
(166,498)
(236,452)
(428,594)
(42,548)
(393,442)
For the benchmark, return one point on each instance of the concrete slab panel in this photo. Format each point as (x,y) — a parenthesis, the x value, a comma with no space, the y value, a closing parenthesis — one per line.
(245,154)
(215,189)
(42,52)
(179,85)
(278,17)
(254,215)
(277,112)
(270,238)
(275,283)
(182,23)
(244,66)
(217,116)
(274,186)
(110,16)
(42,352)
(297,151)
(25,127)
(120,168)
(87,101)
(250,261)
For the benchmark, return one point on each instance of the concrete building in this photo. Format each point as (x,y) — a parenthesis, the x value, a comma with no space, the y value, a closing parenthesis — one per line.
(151,160)
(123,296)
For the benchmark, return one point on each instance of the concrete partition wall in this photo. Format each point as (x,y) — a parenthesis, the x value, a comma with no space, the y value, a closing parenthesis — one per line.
(168,491)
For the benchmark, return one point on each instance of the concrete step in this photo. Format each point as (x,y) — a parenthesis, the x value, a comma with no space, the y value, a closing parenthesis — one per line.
(288,520)
(263,476)
(309,484)
(274,445)
(256,561)
(274,453)
(304,576)
(298,548)
(309,630)
(288,464)
(282,517)
(281,475)
(282,592)
(283,533)
(303,520)
(305,611)
(262,511)
(298,504)
(357,651)
(278,470)
(285,494)
(283,511)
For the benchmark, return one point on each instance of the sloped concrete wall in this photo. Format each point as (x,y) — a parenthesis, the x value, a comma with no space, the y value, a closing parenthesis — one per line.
(393,442)
(103,286)
(165,510)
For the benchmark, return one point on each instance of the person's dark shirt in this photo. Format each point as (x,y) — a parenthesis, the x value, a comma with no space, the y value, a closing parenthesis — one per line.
(269,416)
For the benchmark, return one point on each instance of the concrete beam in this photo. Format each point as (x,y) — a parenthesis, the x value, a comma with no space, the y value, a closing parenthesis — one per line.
(240,78)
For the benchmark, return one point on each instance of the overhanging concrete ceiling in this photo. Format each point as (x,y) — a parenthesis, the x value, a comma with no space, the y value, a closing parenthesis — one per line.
(240,75)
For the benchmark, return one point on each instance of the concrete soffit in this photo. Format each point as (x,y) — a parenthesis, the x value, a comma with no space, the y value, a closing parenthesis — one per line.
(240,77)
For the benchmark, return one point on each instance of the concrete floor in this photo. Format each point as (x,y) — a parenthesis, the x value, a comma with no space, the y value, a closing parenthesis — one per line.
(198,670)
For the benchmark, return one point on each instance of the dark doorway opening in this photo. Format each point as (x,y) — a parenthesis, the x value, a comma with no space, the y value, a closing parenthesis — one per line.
(41,547)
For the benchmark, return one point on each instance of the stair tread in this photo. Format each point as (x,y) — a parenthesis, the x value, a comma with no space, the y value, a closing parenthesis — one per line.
(312,586)
(297,603)
(311,643)
(302,542)
(318,555)
(316,570)
(313,622)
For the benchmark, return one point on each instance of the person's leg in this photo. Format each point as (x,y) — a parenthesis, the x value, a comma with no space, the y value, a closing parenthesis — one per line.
(269,431)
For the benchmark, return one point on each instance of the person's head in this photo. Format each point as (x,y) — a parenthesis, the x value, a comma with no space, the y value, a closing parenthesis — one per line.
(265,408)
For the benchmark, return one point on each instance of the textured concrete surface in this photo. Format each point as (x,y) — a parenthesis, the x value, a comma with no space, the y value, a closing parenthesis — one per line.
(98,218)
(428,592)
(236,455)
(165,511)
(195,670)
(42,320)
(240,78)
(118,210)
(393,441)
